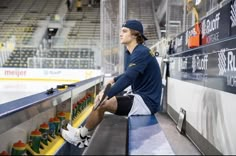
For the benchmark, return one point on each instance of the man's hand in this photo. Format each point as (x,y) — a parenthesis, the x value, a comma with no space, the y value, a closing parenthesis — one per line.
(111,81)
(99,97)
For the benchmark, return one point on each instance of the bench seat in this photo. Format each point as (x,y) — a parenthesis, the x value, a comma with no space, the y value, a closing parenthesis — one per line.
(145,137)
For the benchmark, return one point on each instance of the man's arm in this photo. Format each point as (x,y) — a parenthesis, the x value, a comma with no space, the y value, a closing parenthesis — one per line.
(117,77)
(113,80)
(137,66)
(122,83)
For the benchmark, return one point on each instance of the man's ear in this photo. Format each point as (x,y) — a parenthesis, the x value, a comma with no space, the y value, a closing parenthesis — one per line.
(134,37)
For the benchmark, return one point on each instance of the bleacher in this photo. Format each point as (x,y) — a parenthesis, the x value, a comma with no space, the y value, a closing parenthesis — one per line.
(86,30)
(20,18)
(142,10)
(18,57)
(77,38)
(80,29)
(70,53)
(71,58)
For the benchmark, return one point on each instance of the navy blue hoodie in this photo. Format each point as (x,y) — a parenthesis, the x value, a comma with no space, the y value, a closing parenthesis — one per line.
(144,76)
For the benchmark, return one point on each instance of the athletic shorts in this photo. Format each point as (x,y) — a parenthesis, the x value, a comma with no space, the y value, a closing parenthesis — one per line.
(131,104)
(124,104)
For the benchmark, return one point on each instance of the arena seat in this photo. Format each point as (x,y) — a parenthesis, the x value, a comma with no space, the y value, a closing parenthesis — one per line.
(145,137)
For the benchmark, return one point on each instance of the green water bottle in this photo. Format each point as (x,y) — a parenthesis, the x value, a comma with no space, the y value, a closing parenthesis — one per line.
(51,127)
(18,148)
(44,129)
(57,125)
(35,138)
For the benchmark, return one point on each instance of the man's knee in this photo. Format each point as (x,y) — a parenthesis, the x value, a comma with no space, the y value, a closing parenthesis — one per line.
(109,105)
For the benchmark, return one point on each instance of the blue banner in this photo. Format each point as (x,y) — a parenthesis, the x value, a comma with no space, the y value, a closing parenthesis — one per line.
(216,26)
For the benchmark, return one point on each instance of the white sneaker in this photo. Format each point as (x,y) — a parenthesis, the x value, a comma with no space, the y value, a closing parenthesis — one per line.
(85,143)
(71,128)
(75,138)
(87,140)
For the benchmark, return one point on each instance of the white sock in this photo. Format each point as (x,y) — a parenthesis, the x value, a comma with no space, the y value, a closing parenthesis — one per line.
(83,131)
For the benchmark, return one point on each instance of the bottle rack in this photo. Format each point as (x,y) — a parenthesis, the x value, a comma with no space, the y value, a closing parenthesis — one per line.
(75,102)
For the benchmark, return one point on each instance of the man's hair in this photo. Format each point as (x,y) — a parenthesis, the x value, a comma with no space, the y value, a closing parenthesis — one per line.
(138,35)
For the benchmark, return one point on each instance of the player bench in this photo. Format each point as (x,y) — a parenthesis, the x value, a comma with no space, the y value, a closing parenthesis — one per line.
(145,137)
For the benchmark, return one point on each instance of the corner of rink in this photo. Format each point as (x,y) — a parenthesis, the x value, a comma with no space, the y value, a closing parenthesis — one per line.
(16,83)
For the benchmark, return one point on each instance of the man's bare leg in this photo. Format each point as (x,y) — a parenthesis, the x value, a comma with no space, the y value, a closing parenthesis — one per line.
(97,115)
(78,137)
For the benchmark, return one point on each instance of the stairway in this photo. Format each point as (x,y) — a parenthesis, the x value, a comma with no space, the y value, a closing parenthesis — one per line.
(142,10)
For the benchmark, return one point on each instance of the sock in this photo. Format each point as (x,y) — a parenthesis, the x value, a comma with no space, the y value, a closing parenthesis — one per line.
(83,131)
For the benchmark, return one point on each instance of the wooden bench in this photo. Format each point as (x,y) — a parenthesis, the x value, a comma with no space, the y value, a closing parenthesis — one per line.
(145,137)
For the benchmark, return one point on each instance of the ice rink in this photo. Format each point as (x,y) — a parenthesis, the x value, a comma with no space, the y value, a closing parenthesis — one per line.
(12,89)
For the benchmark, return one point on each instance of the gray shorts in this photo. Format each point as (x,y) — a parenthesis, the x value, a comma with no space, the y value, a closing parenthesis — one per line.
(131,104)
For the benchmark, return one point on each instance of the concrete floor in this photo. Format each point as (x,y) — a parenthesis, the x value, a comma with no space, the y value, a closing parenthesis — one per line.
(180,144)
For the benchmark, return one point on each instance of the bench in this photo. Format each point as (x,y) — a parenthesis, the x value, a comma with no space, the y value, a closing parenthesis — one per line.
(145,137)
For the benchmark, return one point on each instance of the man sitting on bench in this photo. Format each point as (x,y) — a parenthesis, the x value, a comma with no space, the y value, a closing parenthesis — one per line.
(142,74)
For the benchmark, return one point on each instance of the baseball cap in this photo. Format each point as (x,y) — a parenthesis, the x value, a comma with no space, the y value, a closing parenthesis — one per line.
(135,25)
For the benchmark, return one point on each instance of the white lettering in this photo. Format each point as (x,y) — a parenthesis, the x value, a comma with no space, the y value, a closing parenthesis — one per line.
(213,24)
(199,63)
(210,25)
(231,61)
(231,81)
(213,37)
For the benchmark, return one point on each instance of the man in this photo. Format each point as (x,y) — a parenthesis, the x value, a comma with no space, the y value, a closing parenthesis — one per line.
(142,74)
(69,5)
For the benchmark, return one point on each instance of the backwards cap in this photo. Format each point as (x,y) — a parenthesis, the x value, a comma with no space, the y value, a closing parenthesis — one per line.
(135,25)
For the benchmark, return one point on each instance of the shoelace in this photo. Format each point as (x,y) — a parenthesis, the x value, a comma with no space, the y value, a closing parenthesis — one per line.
(84,143)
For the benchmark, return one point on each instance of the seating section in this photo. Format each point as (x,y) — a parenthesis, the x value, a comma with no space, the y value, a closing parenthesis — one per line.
(79,35)
(142,10)
(145,137)
(80,29)
(18,57)
(86,28)
(23,31)
(71,53)
(79,58)
(20,18)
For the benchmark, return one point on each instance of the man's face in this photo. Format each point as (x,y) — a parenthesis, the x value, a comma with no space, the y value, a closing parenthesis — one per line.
(125,36)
